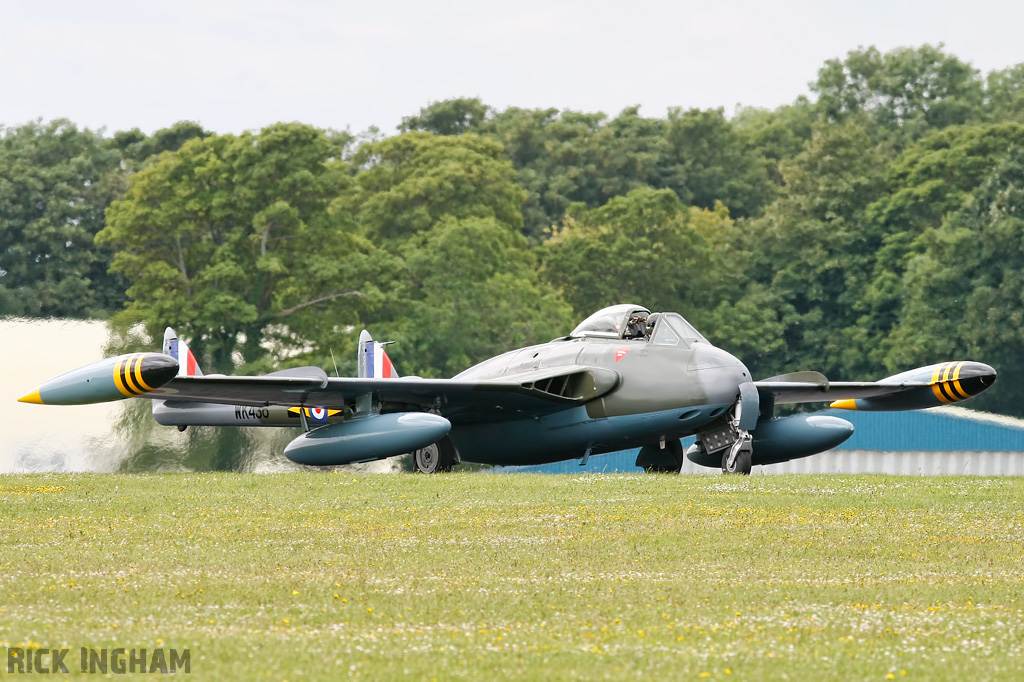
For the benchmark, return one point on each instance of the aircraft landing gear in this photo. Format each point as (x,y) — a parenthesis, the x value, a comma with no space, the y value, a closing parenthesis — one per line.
(724,444)
(435,458)
(658,460)
(737,458)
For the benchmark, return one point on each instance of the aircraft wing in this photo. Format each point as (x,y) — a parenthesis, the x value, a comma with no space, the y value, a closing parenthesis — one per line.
(529,395)
(931,386)
(811,392)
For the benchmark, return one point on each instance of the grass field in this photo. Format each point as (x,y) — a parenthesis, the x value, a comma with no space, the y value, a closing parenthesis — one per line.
(477,576)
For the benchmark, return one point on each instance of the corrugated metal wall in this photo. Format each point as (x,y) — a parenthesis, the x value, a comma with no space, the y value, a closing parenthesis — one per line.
(941,429)
(937,442)
(908,463)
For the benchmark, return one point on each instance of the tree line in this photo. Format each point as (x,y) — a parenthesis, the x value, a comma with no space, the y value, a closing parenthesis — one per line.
(877,227)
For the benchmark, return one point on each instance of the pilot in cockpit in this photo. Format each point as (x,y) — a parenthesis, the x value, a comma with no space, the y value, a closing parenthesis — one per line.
(652,320)
(636,327)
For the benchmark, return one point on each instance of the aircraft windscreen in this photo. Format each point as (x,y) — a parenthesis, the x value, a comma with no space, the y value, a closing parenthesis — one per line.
(664,335)
(680,326)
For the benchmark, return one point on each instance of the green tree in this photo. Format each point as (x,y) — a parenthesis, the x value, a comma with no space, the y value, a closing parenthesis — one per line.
(812,250)
(448,117)
(466,285)
(473,291)
(554,157)
(929,180)
(752,326)
(55,182)
(715,165)
(408,183)
(908,92)
(965,285)
(230,239)
(571,157)
(646,248)
(1004,95)
(136,147)
(776,135)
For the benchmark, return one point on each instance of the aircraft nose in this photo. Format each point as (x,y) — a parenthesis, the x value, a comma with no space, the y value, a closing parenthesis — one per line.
(718,370)
(708,357)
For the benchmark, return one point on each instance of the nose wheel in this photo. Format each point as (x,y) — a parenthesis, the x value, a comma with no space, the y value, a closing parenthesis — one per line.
(737,458)
(726,444)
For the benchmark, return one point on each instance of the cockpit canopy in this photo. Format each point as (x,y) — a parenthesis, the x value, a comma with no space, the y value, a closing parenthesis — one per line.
(621,322)
(610,322)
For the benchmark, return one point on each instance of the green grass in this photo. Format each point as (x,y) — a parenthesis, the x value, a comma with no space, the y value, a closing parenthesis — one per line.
(477,576)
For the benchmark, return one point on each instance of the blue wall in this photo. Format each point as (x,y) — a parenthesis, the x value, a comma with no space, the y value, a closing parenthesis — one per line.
(928,430)
(922,430)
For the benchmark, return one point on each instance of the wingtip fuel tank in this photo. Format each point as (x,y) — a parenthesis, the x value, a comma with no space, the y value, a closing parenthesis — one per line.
(124,376)
(945,383)
(32,397)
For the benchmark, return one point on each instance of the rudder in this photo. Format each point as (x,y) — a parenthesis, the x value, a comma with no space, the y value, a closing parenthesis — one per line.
(374,362)
(179,350)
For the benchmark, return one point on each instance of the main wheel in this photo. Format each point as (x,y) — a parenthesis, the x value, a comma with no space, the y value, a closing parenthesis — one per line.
(434,458)
(737,459)
(657,460)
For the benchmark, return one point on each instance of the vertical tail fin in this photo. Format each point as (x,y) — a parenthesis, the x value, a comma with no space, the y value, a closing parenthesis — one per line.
(178,349)
(374,362)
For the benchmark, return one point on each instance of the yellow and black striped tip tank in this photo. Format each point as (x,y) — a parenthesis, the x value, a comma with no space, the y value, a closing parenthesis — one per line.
(944,383)
(124,376)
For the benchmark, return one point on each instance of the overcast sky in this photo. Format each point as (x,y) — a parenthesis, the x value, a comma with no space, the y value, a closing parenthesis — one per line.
(238,65)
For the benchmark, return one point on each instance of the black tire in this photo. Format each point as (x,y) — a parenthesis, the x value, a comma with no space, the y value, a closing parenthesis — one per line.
(656,460)
(742,464)
(435,458)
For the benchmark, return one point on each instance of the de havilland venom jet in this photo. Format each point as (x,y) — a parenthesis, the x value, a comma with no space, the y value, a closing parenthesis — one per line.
(624,378)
